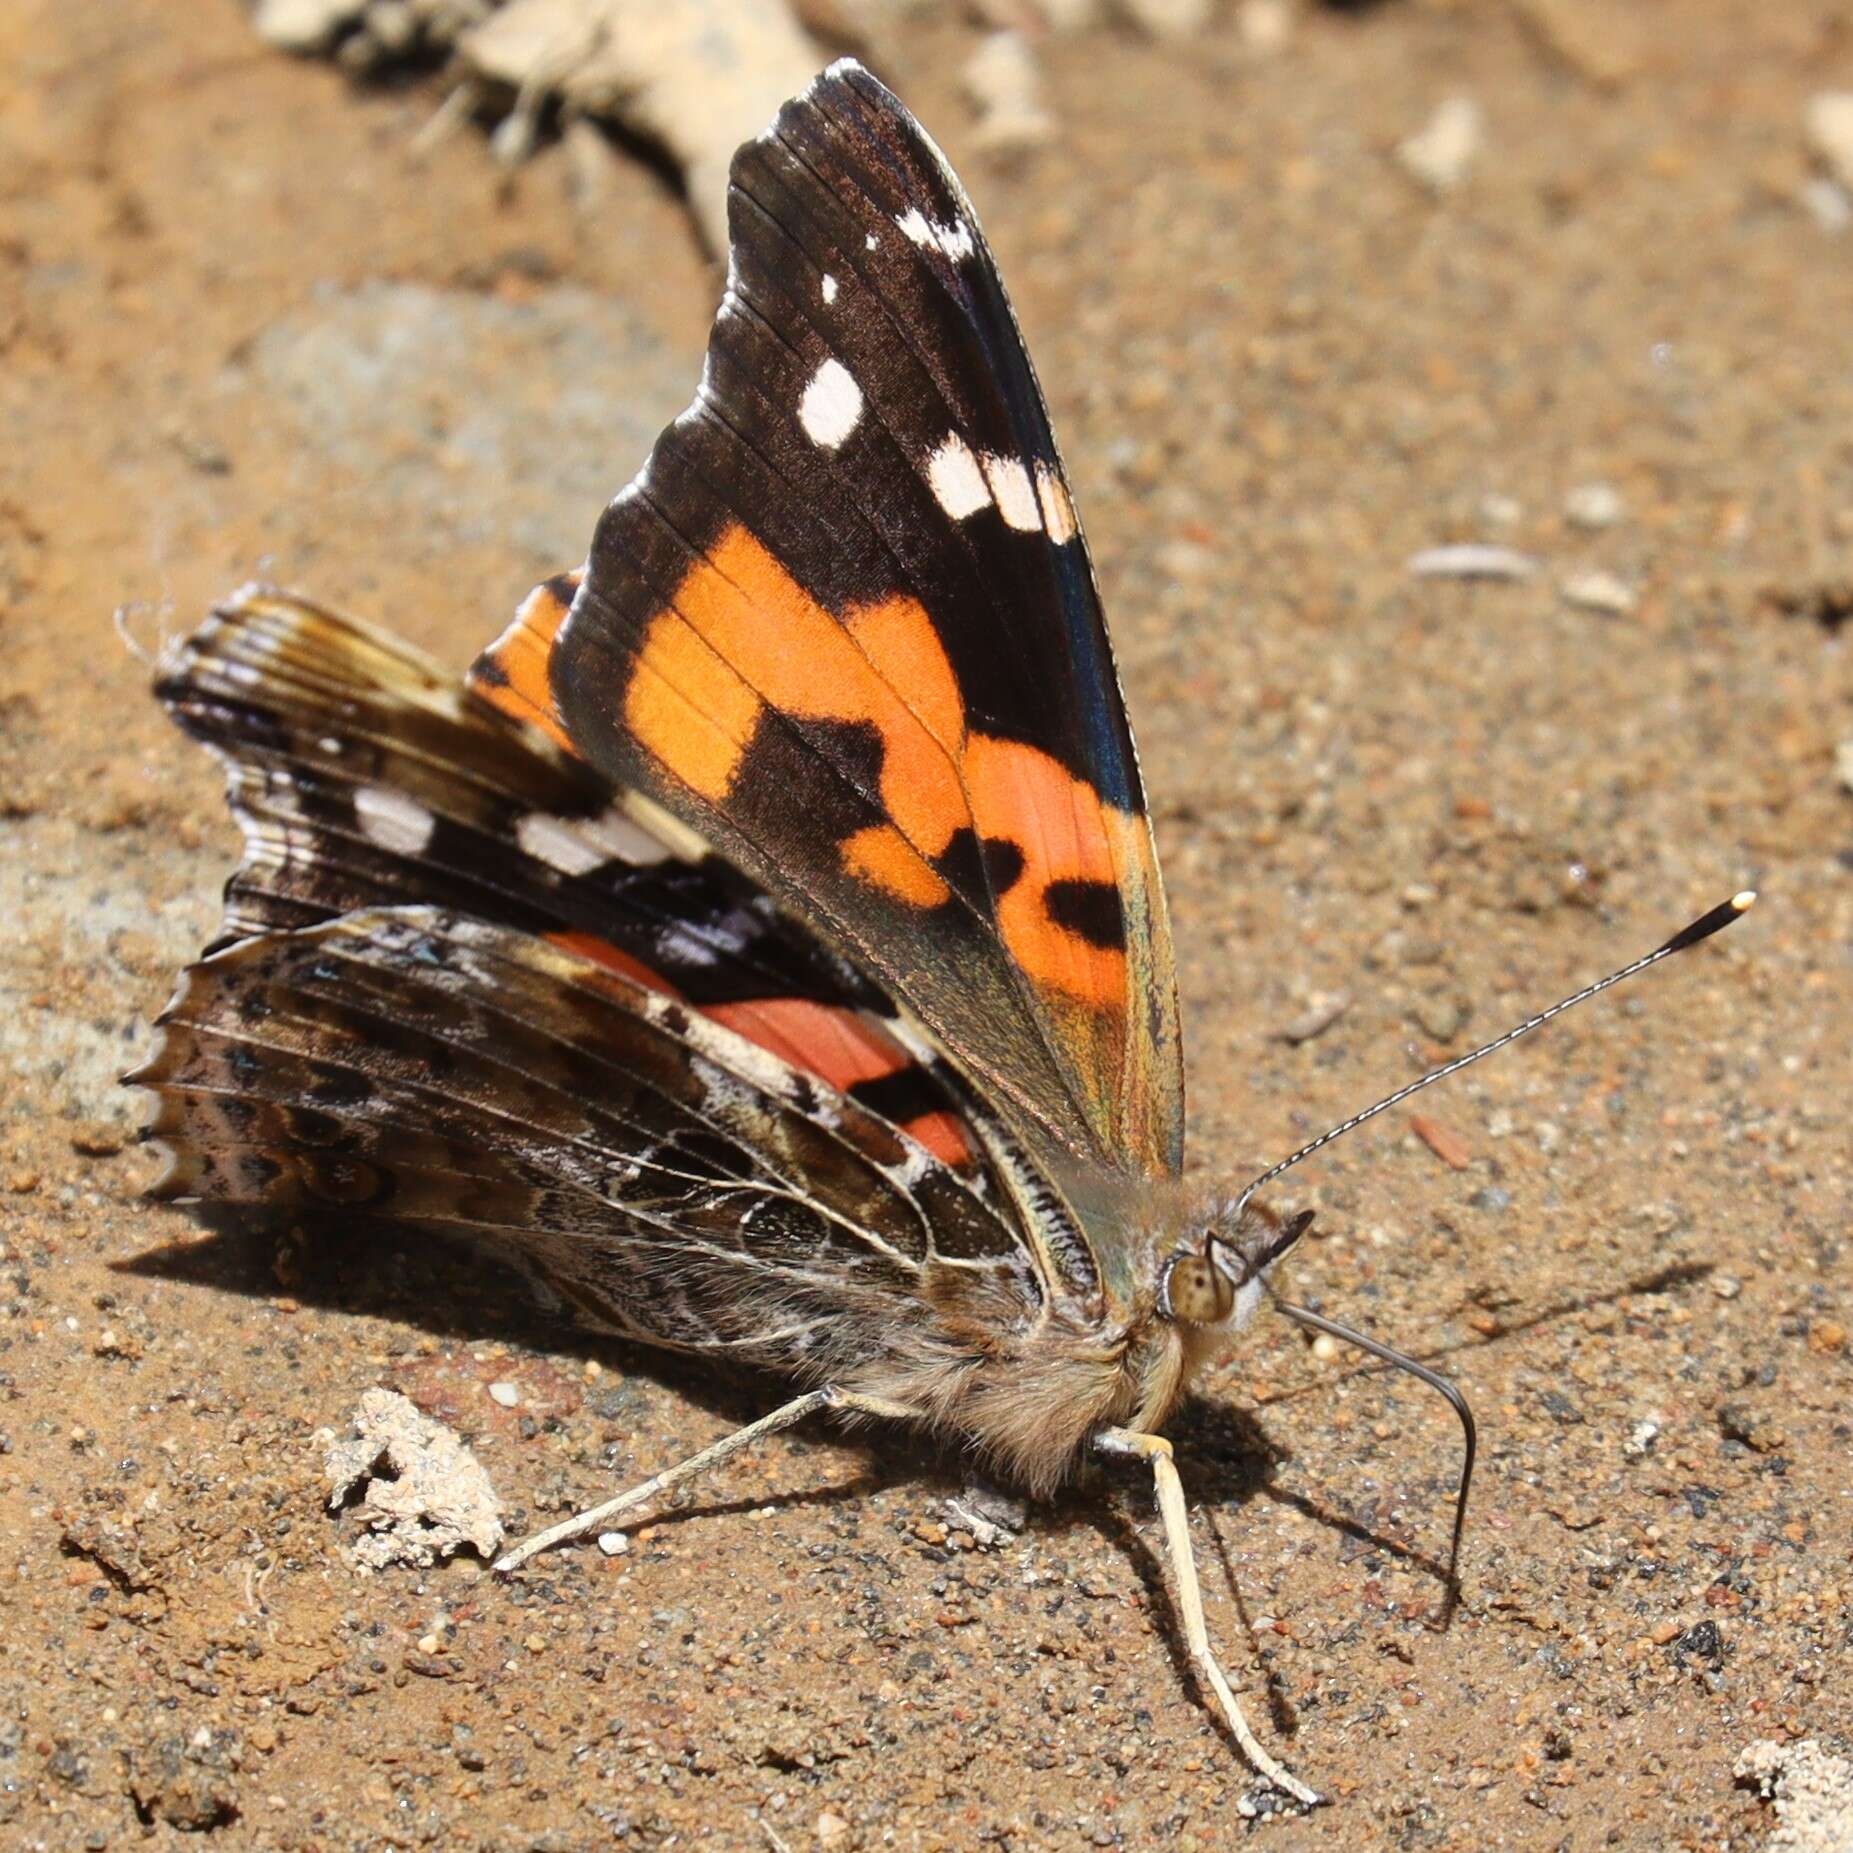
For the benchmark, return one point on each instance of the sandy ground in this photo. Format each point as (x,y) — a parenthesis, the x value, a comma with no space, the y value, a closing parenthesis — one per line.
(243,330)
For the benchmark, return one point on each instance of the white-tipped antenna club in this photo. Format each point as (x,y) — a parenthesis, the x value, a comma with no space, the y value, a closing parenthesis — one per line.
(1704,927)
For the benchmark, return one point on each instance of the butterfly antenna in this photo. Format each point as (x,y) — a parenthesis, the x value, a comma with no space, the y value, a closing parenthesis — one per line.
(1704,927)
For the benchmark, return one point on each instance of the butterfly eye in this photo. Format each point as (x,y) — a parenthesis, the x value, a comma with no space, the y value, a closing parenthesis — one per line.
(1195,1291)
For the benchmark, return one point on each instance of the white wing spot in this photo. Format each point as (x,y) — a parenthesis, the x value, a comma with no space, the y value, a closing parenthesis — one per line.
(829,287)
(871,242)
(832,405)
(953,241)
(1057,509)
(576,845)
(558,843)
(393,821)
(957,483)
(1016,495)
(623,837)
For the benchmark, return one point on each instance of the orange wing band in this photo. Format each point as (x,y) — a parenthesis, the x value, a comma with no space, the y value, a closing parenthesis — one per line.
(741,635)
(513,673)
(839,1046)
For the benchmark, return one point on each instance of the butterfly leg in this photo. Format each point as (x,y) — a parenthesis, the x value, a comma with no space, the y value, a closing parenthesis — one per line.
(729,1445)
(1156,1450)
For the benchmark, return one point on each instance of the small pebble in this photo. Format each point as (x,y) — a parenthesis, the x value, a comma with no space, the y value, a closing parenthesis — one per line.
(1447,1145)
(1592,506)
(1598,591)
(1827,1336)
(1325,1347)
(304,25)
(1726,1286)
(1826,203)
(614,1543)
(1441,1016)
(1843,763)
(1827,124)
(1168,19)
(1264,26)
(1441,154)
(1004,83)
(394,24)
(1645,1433)
(1472,561)
(1321,1012)
(505,1393)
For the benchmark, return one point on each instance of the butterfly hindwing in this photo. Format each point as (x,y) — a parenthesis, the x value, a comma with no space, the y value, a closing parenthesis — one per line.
(669,1178)
(844,626)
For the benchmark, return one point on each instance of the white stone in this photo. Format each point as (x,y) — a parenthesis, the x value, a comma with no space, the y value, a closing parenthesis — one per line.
(1004,83)
(1593,505)
(505,1393)
(1599,591)
(1826,202)
(1265,26)
(1469,561)
(431,1496)
(304,25)
(1168,19)
(1828,125)
(1441,154)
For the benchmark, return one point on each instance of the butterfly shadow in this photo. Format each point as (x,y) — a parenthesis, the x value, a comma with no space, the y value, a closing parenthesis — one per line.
(1360,1528)
(460,1295)
(449,1290)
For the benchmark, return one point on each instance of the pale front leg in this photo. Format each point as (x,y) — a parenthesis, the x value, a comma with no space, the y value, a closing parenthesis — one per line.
(724,1449)
(1156,1450)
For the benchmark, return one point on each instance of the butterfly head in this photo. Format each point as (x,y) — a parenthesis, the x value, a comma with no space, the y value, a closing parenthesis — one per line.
(1216,1274)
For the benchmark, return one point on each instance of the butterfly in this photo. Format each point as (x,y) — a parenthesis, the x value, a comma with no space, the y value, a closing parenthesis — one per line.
(765,947)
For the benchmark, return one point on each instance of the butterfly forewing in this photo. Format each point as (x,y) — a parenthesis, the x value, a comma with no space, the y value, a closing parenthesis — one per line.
(844,626)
